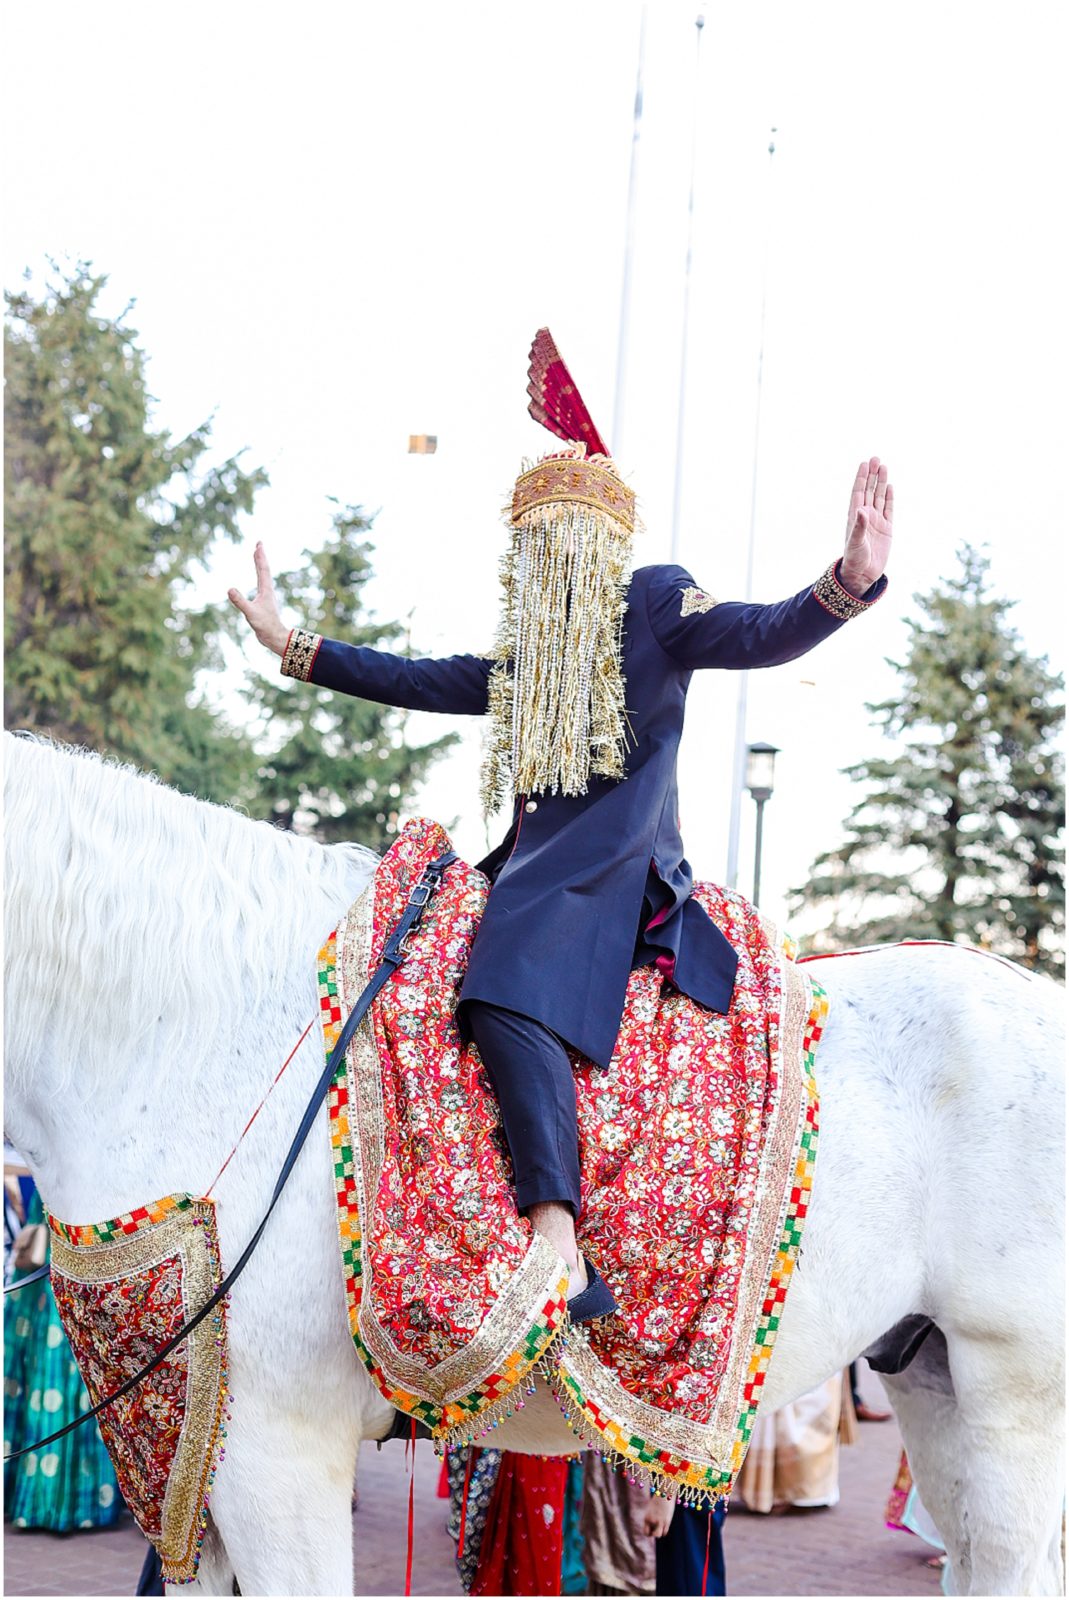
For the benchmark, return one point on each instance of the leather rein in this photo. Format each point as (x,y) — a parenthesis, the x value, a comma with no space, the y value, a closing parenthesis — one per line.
(393,956)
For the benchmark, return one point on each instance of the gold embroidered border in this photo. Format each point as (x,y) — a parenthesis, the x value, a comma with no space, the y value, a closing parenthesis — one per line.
(182,1234)
(695,601)
(539,1275)
(829,592)
(300,653)
(714,1445)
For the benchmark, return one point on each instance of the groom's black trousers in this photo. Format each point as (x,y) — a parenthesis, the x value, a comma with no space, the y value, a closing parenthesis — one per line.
(532,1078)
(532,1075)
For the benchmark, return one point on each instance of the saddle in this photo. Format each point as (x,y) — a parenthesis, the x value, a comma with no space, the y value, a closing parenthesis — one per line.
(699,1140)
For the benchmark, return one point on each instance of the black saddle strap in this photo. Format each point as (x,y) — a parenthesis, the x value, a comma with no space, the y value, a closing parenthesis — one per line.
(392,957)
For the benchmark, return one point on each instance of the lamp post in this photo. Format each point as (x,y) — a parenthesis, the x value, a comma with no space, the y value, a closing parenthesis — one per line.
(760,773)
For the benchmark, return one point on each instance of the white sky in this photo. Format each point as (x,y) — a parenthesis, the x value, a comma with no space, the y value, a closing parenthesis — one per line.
(343,224)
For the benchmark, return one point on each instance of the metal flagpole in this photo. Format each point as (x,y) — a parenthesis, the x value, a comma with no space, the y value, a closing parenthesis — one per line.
(677,495)
(739,765)
(629,245)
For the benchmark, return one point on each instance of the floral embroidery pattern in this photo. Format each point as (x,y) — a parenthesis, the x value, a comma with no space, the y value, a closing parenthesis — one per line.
(123,1289)
(697,1148)
(449,1330)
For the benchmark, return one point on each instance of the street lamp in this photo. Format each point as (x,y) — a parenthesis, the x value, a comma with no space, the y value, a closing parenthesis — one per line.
(760,774)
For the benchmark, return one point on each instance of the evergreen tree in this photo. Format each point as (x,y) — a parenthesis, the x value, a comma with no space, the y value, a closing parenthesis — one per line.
(106,520)
(958,835)
(342,769)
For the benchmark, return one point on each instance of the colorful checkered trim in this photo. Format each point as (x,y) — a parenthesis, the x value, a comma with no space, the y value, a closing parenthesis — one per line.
(692,1481)
(791,1239)
(518,1363)
(81,1235)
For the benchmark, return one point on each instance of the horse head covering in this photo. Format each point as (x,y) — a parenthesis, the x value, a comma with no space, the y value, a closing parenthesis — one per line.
(557,686)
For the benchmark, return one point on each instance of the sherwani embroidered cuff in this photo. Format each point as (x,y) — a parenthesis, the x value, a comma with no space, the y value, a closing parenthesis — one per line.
(830,593)
(298,658)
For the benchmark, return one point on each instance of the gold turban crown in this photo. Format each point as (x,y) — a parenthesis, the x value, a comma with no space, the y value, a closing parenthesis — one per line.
(557,692)
(572,480)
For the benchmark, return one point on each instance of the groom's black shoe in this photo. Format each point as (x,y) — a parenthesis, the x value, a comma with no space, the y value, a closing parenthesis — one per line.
(595,1300)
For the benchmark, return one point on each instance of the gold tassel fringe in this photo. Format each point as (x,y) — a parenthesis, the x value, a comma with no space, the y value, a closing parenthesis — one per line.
(557,693)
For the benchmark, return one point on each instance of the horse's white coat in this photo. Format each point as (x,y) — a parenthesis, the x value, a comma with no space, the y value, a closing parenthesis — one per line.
(158,972)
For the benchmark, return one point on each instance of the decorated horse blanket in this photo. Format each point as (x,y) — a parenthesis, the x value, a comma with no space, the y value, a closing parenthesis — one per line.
(124,1288)
(697,1148)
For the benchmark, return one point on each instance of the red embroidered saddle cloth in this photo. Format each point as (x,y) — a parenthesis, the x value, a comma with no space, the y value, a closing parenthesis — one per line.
(697,1148)
(123,1288)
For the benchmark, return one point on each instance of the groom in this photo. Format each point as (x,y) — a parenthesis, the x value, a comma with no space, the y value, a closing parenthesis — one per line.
(585,691)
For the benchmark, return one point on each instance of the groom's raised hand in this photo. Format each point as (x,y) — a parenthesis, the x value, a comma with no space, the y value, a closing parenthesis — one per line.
(261,609)
(868,528)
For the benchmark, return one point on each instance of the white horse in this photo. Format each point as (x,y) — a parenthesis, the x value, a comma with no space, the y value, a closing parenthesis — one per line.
(160,956)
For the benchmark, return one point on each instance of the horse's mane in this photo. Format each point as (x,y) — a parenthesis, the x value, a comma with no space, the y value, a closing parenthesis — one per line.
(169,917)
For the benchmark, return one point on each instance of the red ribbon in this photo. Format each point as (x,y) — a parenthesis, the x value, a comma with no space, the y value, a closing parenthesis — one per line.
(708,1537)
(464,1503)
(411,1506)
(259,1108)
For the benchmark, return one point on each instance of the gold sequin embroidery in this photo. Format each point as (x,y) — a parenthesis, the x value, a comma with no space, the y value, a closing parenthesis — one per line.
(300,652)
(695,601)
(829,593)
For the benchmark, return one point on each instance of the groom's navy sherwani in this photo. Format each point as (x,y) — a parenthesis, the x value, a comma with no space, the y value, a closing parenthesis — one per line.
(565,920)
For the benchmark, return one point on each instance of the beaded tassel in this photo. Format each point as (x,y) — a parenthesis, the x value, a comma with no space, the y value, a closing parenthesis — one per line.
(557,692)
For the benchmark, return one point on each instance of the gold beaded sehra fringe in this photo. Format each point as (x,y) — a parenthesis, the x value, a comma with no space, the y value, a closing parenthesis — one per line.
(556,691)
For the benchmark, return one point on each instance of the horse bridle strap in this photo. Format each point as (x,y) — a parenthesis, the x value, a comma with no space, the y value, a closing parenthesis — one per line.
(392,957)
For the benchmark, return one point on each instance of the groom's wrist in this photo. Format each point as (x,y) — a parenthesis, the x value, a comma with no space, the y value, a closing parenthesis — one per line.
(832,592)
(275,638)
(855,583)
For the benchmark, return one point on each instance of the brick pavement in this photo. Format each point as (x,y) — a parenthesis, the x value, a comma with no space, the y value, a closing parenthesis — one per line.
(842,1551)
(107,1561)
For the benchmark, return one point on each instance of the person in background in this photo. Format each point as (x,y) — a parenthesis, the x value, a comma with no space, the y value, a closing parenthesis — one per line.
(18,1191)
(690,1554)
(862,1412)
(907,1513)
(523,1542)
(793,1458)
(471,1473)
(513,1520)
(620,1520)
(69,1484)
(573,1574)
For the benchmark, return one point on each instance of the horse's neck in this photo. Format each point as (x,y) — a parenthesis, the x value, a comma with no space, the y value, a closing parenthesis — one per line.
(159,1120)
(161,966)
